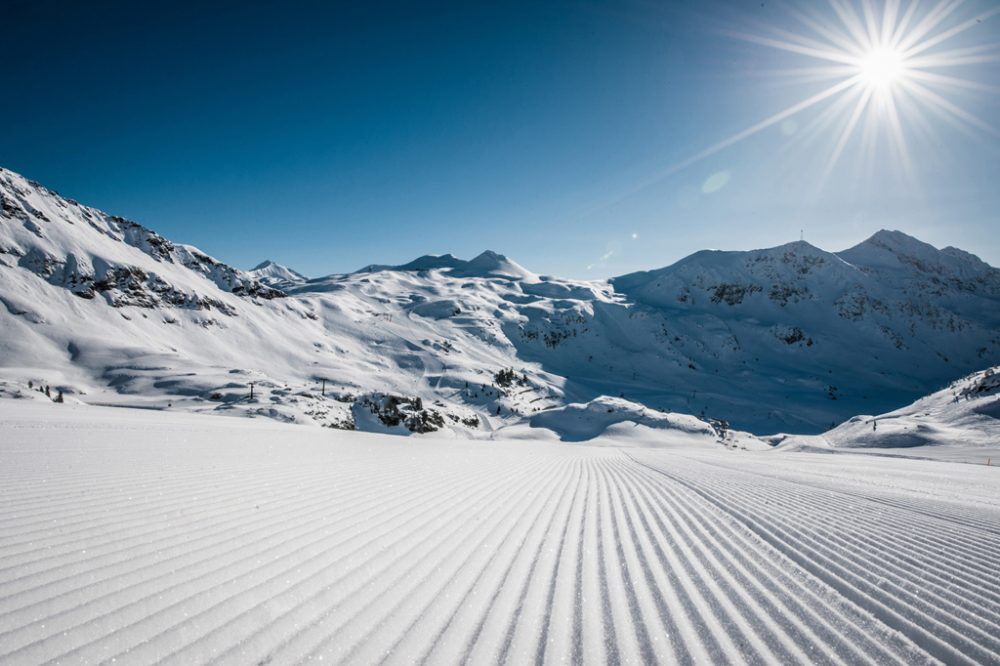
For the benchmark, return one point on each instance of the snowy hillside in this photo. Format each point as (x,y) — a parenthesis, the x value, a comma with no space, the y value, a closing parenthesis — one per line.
(790,339)
(960,422)
(809,334)
(142,537)
(967,412)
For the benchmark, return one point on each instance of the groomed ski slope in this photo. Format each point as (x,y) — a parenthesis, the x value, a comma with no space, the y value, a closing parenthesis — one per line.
(138,537)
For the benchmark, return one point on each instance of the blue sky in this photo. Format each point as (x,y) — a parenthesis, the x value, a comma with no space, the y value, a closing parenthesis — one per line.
(328,136)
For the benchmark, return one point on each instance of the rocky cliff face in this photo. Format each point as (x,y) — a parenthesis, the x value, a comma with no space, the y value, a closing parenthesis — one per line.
(95,255)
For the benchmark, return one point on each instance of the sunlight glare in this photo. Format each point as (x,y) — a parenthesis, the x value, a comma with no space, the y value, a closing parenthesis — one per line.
(881,67)
(878,71)
(885,66)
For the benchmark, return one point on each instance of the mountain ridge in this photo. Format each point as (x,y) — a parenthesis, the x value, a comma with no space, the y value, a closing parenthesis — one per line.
(487,263)
(791,338)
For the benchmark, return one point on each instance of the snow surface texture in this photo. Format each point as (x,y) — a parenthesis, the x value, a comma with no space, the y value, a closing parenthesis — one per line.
(788,339)
(138,536)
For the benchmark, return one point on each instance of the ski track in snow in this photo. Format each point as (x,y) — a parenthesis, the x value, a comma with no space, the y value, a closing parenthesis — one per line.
(185,539)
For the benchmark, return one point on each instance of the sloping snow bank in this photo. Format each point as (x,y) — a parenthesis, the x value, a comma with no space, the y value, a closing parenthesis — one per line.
(619,422)
(960,422)
(581,421)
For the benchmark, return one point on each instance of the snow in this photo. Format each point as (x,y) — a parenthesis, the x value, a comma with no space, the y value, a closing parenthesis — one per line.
(276,275)
(618,422)
(487,264)
(789,339)
(582,485)
(960,422)
(141,536)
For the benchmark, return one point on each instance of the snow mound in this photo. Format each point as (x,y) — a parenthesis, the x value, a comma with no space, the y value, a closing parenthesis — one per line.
(577,422)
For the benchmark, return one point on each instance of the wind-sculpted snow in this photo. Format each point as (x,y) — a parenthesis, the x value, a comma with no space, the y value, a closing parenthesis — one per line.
(154,537)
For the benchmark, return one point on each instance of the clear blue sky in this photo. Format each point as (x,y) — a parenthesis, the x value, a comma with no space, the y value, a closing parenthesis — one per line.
(328,136)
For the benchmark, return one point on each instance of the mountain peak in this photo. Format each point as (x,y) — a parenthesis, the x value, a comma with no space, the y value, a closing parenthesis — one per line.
(430,262)
(899,258)
(802,246)
(896,240)
(891,248)
(272,273)
(494,264)
(485,264)
(489,255)
(91,254)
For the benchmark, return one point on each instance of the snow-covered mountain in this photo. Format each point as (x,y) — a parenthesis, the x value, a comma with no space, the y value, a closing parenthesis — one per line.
(275,275)
(790,339)
(823,333)
(95,255)
(487,264)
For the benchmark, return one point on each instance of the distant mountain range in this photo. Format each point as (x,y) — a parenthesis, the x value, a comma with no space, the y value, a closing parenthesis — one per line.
(792,338)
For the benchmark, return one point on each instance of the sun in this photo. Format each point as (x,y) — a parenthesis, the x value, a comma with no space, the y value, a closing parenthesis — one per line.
(880,72)
(882,67)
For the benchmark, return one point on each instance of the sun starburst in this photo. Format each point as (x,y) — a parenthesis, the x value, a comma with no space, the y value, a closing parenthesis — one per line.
(880,64)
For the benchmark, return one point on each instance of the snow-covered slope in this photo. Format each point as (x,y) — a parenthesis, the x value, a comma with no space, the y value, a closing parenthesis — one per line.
(806,333)
(137,538)
(966,413)
(960,422)
(95,255)
(789,339)
(103,310)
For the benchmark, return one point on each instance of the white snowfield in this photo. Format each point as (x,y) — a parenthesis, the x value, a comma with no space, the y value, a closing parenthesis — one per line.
(136,537)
